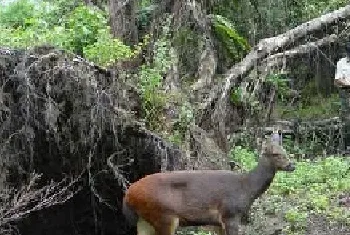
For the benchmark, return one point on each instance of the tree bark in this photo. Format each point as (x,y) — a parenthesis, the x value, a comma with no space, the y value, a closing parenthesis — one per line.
(275,44)
(123,20)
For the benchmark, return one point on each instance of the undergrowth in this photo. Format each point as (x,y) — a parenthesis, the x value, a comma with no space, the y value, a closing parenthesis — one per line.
(320,108)
(78,28)
(151,78)
(312,189)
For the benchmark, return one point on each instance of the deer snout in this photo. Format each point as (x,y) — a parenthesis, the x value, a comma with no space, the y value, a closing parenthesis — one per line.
(290,167)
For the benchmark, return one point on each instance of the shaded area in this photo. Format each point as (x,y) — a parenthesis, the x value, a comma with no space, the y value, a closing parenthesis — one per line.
(62,116)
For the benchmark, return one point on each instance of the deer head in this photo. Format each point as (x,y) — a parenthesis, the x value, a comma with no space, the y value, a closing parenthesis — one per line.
(277,155)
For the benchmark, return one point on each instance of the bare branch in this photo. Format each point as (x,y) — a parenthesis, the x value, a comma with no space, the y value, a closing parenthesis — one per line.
(278,58)
(270,45)
(118,173)
(29,199)
(267,48)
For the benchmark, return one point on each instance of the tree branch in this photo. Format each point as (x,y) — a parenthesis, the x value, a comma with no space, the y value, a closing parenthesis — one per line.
(267,48)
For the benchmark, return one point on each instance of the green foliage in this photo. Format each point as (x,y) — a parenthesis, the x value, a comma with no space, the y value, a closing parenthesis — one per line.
(275,80)
(256,19)
(188,44)
(184,120)
(145,3)
(18,14)
(296,218)
(226,7)
(236,95)
(311,189)
(311,140)
(17,21)
(291,147)
(145,13)
(313,8)
(53,12)
(153,99)
(151,77)
(244,157)
(318,108)
(308,94)
(81,29)
(176,137)
(280,84)
(106,50)
(322,173)
(186,115)
(312,105)
(234,44)
(313,185)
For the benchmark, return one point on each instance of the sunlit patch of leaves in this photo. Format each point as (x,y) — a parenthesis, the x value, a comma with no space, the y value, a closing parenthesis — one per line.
(81,29)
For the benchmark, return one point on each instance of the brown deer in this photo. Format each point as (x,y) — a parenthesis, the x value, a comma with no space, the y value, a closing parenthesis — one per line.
(161,202)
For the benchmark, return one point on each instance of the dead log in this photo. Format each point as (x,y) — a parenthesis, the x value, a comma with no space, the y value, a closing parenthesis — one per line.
(265,51)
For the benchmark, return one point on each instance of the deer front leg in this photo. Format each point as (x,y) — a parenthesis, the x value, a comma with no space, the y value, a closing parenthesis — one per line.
(144,228)
(166,226)
(231,225)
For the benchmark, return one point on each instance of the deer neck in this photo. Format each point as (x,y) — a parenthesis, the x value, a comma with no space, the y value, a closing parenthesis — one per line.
(260,178)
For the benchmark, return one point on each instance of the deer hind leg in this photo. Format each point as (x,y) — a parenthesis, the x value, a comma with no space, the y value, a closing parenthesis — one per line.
(144,228)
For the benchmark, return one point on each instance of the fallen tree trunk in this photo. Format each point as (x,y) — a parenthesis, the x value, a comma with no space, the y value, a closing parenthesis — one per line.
(269,52)
(279,60)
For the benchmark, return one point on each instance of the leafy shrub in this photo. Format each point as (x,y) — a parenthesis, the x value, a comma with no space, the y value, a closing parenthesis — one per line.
(151,78)
(81,29)
(17,14)
(54,11)
(321,174)
(244,157)
(185,231)
(106,50)
(236,96)
(153,99)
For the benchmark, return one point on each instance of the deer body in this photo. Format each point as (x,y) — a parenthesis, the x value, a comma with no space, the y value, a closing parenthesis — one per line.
(221,198)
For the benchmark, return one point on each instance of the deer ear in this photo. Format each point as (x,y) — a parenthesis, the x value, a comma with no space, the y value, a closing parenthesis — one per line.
(270,142)
(275,138)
